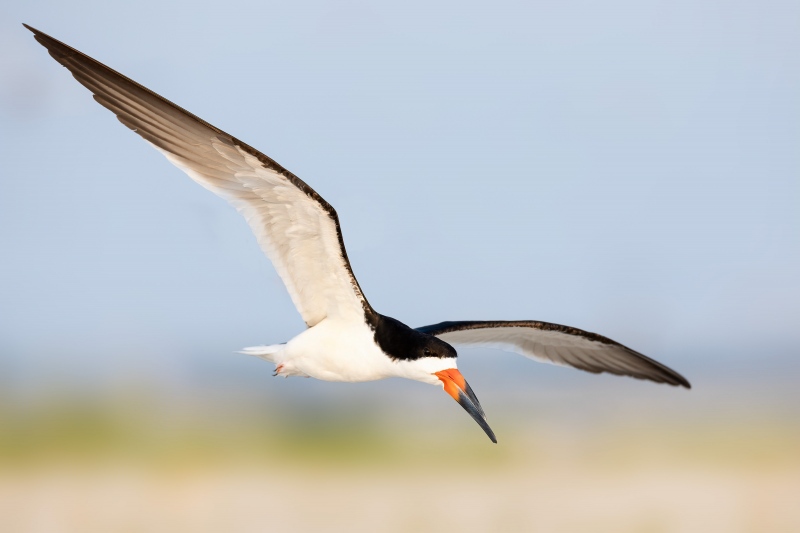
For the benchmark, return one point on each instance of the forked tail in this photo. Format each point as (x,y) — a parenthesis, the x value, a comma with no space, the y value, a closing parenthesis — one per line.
(267,353)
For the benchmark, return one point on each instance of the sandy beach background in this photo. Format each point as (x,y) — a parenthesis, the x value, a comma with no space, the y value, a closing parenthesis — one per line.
(627,167)
(599,454)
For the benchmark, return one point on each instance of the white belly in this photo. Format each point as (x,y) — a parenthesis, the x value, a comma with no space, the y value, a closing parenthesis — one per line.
(337,350)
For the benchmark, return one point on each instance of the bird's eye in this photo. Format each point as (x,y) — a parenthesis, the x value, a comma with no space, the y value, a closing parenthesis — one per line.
(427,352)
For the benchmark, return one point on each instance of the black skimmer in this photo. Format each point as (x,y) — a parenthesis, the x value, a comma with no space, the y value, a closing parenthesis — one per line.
(346,339)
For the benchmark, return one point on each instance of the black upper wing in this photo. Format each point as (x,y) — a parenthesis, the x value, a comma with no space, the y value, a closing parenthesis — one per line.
(561,345)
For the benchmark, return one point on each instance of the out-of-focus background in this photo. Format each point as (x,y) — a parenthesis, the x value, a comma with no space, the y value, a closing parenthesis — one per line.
(626,167)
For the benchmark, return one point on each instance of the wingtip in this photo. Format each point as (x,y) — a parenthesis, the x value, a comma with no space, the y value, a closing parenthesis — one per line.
(679,381)
(44,39)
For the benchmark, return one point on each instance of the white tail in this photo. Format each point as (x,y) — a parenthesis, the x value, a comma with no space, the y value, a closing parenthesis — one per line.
(264,352)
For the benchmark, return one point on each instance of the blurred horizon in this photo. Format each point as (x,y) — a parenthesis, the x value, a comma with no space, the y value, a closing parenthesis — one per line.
(627,168)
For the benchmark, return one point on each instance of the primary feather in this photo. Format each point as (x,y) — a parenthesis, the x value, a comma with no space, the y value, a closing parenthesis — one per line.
(561,345)
(296,228)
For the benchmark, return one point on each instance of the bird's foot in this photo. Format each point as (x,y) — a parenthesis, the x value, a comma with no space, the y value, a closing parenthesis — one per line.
(288,369)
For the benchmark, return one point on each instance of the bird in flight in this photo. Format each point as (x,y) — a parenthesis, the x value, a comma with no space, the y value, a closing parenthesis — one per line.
(346,339)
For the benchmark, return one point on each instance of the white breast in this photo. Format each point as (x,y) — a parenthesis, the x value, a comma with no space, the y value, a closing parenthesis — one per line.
(345,350)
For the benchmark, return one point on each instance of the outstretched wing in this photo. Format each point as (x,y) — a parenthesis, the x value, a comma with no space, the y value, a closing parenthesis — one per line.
(295,227)
(561,345)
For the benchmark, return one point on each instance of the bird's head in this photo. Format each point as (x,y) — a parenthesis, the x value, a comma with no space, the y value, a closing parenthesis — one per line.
(426,358)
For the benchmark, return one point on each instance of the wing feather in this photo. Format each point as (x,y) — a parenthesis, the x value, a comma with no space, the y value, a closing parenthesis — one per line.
(561,345)
(295,227)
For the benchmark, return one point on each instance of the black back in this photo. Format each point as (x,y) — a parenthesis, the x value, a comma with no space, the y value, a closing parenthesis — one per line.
(403,343)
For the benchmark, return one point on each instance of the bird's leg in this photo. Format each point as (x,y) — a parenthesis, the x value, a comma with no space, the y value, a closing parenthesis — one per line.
(288,369)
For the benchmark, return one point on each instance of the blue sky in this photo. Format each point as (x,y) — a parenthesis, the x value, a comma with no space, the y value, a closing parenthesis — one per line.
(629,168)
